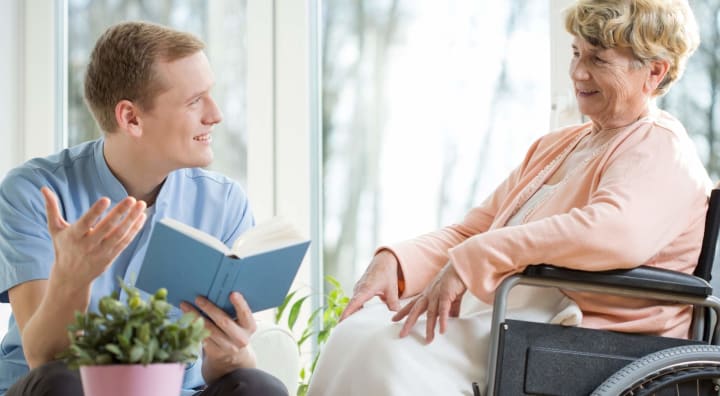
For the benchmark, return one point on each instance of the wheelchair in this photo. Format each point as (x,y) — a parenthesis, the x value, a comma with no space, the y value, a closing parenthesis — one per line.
(527,358)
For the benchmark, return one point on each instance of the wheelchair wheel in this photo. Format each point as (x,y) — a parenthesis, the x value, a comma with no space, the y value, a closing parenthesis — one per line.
(686,370)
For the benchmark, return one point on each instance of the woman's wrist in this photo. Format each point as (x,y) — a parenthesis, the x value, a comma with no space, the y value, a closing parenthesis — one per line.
(399,272)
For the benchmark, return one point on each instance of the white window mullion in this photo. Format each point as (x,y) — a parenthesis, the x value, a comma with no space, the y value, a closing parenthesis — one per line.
(261,178)
(292,128)
(60,37)
(315,151)
(40,75)
(281,100)
(10,73)
(292,117)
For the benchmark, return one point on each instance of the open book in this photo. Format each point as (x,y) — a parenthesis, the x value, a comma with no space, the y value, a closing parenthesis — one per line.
(188,262)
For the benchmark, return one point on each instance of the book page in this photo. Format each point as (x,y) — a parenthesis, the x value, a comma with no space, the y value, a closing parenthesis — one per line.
(199,235)
(269,235)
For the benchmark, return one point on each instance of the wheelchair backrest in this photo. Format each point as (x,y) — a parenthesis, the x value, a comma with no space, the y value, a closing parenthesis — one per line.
(709,243)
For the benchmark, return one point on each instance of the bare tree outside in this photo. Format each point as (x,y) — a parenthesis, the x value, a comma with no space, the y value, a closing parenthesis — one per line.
(369,29)
(420,114)
(695,98)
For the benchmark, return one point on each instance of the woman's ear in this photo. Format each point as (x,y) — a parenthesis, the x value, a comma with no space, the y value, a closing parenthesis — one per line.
(658,70)
(128,118)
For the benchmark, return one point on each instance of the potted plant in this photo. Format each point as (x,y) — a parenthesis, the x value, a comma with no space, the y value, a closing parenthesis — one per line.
(132,347)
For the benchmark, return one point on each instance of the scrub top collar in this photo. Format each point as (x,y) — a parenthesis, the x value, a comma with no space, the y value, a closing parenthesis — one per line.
(112,186)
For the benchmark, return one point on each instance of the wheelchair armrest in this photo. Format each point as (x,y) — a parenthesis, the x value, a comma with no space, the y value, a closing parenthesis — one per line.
(643,277)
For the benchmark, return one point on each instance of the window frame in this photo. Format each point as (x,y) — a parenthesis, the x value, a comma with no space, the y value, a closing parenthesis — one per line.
(32,41)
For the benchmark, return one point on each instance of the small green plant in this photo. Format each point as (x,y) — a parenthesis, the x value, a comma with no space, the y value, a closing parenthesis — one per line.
(334,303)
(133,332)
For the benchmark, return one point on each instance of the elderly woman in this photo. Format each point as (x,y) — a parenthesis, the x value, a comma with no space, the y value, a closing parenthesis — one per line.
(623,190)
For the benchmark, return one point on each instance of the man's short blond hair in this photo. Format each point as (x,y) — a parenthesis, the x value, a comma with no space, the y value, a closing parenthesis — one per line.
(122,66)
(652,29)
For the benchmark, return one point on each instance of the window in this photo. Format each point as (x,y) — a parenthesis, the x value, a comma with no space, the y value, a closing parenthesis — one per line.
(220,23)
(695,98)
(427,106)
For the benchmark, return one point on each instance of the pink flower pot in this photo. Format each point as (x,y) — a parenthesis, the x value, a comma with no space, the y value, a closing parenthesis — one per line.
(163,379)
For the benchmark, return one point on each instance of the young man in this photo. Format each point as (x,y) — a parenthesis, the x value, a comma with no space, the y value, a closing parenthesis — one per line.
(61,249)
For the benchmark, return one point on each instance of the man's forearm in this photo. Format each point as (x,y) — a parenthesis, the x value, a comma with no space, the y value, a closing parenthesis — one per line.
(45,333)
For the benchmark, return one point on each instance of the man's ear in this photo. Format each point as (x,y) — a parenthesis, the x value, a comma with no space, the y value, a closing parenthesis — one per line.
(658,70)
(128,118)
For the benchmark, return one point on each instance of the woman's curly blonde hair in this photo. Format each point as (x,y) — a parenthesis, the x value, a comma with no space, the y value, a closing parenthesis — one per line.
(652,29)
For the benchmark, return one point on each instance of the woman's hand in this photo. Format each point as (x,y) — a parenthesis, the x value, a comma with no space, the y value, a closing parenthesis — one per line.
(228,346)
(380,279)
(441,299)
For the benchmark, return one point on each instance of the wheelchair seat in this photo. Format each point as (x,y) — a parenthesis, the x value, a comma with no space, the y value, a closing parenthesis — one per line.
(528,358)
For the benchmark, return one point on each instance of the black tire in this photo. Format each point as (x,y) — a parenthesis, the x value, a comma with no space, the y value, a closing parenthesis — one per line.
(681,370)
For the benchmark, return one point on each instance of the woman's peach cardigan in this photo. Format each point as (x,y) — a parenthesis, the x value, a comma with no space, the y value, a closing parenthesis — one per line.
(640,201)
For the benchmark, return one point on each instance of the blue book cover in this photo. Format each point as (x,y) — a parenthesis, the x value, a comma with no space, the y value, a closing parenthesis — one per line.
(190,263)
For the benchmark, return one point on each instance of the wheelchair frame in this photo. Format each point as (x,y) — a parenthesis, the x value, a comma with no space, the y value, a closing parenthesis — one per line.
(644,282)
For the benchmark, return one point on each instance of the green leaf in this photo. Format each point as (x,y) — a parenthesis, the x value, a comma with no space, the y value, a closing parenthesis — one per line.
(149,354)
(127,331)
(79,352)
(313,315)
(79,317)
(334,282)
(323,336)
(115,350)
(136,353)
(161,356)
(332,297)
(123,341)
(314,363)
(197,325)
(186,319)
(160,308)
(104,359)
(327,318)
(302,389)
(306,335)
(282,306)
(144,333)
(295,311)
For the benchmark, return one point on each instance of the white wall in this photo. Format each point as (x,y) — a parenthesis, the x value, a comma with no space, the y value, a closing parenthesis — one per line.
(10,99)
(38,65)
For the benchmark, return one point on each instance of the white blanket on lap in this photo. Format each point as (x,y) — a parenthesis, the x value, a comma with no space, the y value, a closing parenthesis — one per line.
(364,355)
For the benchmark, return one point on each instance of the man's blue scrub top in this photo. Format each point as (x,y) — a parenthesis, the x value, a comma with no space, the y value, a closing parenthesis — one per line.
(79,176)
